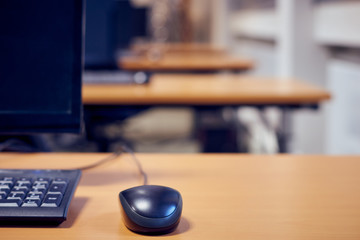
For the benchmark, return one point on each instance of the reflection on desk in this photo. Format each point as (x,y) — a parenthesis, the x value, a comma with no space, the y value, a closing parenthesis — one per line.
(226,196)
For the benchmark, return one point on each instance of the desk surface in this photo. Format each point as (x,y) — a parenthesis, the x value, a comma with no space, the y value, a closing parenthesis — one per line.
(206,89)
(185,62)
(229,196)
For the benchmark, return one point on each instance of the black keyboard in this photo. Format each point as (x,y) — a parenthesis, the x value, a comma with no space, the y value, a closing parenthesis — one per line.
(36,196)
(115,76)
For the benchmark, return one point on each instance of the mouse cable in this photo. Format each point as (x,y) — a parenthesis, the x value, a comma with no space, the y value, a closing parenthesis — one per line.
(137,162)
(115,155)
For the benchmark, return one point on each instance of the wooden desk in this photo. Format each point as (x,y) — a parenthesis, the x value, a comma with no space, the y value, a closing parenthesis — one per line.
(185,62)
(208,89)
(225,196)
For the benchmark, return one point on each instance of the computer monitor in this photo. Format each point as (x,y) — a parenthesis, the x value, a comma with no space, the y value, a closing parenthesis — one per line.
(40,65)
(111,25)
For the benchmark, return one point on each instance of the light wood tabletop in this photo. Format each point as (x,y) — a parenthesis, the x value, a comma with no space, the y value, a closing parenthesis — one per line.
(226,196)
(206,89)
(185,62)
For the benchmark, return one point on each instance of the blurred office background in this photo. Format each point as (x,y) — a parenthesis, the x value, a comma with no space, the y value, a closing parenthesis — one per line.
(312,40)
(317,41)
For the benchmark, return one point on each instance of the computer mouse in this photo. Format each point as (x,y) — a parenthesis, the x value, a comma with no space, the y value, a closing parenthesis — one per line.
(151,209)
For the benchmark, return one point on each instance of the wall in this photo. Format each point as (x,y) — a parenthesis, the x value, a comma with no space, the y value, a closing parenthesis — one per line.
(300,38)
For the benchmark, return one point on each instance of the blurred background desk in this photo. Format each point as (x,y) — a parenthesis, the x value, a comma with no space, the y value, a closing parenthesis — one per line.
(185,62)
(226,196)
(206,89)
(207,93)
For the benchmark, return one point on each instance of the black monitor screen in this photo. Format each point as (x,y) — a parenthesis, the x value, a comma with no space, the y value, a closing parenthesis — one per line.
(40,65)
(111,25)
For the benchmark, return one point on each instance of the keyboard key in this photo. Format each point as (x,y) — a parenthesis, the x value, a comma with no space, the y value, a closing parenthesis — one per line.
(16,195)
(3,195)
(7,183)
(4,188)
(31,203)
(37,182)
(25,179)
(41,179)
(20,189)
(23,184)
(10,202)
(41,185)
(35,195)
(57,188)
(43,190)
(11,179)
(52,200)
(61,180)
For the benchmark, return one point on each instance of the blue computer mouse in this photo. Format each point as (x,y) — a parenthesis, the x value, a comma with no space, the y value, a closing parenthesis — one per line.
(151,209)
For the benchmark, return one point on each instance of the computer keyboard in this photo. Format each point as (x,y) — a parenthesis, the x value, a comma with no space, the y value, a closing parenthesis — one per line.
(114,76)
(36,196)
